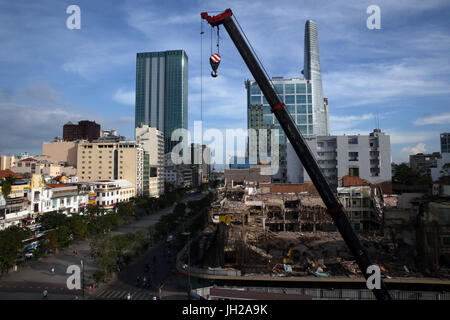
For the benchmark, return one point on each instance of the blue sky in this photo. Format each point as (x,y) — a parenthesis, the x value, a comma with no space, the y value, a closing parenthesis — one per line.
(50,75)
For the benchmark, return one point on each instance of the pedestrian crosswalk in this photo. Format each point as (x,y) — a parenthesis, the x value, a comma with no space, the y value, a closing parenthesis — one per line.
(123,294)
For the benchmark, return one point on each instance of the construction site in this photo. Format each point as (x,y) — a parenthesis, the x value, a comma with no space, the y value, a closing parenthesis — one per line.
(256,231)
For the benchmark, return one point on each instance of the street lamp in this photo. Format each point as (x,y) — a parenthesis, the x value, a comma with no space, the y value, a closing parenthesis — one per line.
(189,260)
(82,278)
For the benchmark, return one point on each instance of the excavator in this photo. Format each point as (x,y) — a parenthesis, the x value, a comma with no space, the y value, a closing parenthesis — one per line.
(289,259)
(292,255)
(335,208)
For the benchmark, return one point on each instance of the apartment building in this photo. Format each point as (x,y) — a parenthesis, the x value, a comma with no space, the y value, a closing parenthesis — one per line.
(111,159)
(178,175)
(152,141)
(31,166)
(364,156)
(127,190)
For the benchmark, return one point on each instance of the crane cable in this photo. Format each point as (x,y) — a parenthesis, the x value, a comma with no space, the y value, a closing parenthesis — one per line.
(254,53)
(201,77)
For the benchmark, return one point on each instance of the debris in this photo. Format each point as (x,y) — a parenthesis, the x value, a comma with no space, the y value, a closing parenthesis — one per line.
(319,273)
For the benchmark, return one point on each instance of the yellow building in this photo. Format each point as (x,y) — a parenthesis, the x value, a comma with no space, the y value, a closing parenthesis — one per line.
(110,160)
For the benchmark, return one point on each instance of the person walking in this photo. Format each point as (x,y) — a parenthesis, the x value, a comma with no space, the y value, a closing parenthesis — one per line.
(145,282)
(45,294)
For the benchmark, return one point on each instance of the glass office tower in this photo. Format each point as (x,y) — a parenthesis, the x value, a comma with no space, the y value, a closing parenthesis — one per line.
(162,92)
(297,95)
(303,98)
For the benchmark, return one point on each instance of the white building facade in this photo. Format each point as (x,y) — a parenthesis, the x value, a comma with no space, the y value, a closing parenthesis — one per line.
(152,142)
(367,157)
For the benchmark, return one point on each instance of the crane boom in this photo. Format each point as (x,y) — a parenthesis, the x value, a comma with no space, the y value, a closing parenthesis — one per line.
(335,208)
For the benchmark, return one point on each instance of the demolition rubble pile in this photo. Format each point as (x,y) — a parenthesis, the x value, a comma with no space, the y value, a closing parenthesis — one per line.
(293,235)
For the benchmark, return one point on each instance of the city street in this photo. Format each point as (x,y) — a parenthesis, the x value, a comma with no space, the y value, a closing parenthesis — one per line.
(33,277)
(161,272)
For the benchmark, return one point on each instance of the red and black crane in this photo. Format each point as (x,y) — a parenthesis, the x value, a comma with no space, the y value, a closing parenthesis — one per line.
(335,208)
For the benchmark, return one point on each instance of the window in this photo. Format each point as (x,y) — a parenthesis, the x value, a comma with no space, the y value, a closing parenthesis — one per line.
(278,88)
(255,100)
(268,119)
(300,88)
(254,89)
(301,109)
(301,99)
(353,156)
(289,88)
(352,140)
(290,108)
(353,172)
(301,119)
(303,129)
(289,99)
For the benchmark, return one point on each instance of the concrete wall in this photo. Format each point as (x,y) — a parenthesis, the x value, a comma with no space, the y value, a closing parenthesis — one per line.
(65,151)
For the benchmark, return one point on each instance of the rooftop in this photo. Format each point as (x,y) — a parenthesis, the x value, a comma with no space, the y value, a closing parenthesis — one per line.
(7,172)
(59,185)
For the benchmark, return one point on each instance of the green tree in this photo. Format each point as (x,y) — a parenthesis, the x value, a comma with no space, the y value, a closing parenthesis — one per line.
(62,233)
(405,175)
(126,211)
(50,240)
(52,220)
(11,246)
(95,210)
(79,226)
(105,253)
(7,183)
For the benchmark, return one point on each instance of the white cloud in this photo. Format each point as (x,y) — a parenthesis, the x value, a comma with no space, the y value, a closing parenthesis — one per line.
(419,148)
(343,123)
(372,83)
(437,119)
(124,97)
(409,137)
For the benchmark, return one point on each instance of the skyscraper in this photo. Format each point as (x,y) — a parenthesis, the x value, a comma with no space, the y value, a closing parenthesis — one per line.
(312,72)
(162,92)
(303,98)
(445,142)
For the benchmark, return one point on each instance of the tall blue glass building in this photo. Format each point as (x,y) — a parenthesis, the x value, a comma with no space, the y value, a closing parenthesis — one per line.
(162,92)
(303,98)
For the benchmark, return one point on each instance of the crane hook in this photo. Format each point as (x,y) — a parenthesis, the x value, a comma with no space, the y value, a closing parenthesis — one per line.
(214,61)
